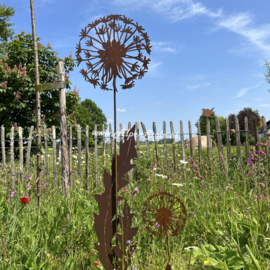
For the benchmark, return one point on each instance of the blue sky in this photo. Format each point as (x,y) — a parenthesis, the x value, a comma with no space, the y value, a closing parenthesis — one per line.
(205,54)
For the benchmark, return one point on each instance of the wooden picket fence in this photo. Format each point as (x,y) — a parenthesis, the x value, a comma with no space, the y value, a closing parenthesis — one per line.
(104,150)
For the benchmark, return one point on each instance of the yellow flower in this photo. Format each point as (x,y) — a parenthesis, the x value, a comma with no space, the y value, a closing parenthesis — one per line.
(206,262)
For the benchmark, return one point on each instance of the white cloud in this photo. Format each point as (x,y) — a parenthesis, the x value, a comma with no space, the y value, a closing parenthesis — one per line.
(163,47)
(153,66)
(258,100)
(198,85)
(242,24)
(121,110)
(263,105)
(110,120)
(173,9)
(243,91)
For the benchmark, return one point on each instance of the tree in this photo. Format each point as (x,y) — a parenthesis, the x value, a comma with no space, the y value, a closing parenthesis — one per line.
(88,113)
(241,118)
(5,32)
(212,117)
(18,95)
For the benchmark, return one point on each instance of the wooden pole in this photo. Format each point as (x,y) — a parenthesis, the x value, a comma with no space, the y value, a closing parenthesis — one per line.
(63,133)
(39,172)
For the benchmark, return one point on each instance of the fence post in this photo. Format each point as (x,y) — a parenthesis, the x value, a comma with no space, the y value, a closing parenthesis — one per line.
(228,139)
(112,144)
(247,137)
(173,146)
(87,154)
(21,153)
(96,155)
(219,139)
(165,143)
(121,137)
(200,144)
(46,153)
(12,158)
(54,158)
(70,157)
(190,138)
(3,150)
(146,140)
(104,152)
(209,152)
(130,173)
(29,149)
(237,133)
(138,142)
(183,147)
(265,137)
(256,133)
(79,146)
(155,139)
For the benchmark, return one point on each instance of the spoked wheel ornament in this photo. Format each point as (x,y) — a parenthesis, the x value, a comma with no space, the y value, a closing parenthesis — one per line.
(164,213)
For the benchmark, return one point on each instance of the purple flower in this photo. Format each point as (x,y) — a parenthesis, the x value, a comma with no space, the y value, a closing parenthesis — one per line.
(12,194)
(190,160)
(9,190)
(45,184)
(200,177)
(133,267)
(87,187)
(29,186)
(157,225)
(191,213)
(126,191)
(255,196)
(261,197)
(128,241)
(195,166)
(135,191)
(150,238)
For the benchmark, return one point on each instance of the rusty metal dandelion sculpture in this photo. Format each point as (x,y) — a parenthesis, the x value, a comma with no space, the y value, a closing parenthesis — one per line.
(116,50)
(163,213)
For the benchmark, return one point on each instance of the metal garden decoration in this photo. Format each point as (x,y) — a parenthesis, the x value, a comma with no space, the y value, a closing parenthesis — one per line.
(114,51)
(164,213)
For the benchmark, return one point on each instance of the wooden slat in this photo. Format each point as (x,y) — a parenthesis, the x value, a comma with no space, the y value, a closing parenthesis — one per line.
(121,136)
(155,139)
(173,146)
(219,139)
(87,154)
(237,133)
(50,86)
(229,155)
(28,166)
(190,138)
(146,140)
(46,153)
(12,159)
(183,147)
(200,144)
(165,143)
(70,157)
(95,134)
(3,151)
(79,148)
(265,138)
(209,143)
(247,138)
(54,157)
(130,173)
(138,142)
(112,144)
(21,153)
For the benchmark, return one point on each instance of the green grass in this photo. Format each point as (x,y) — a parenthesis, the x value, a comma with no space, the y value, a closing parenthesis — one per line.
(229,225)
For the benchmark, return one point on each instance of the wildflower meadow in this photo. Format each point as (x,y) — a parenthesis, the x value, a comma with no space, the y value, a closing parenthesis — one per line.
(227,224)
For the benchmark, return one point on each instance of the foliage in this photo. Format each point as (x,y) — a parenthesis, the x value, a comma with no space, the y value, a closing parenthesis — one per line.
(211,118)
(241,119)
(267,74)
(5,31)
(88,113)
(18,95)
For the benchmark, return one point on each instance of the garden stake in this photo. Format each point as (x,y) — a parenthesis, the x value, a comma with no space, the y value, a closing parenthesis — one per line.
(111,64)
